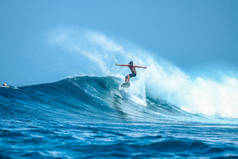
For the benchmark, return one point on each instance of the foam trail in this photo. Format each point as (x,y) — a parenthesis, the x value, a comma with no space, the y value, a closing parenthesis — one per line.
(161,80)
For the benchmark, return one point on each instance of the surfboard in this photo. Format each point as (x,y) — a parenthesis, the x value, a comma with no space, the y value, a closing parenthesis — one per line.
(125,85)
(5,86)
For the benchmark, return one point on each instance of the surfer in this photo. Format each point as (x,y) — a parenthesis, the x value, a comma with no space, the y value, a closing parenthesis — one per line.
(4,85)
(132,68)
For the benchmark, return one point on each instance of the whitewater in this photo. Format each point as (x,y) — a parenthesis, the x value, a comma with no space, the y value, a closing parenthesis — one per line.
(166,112)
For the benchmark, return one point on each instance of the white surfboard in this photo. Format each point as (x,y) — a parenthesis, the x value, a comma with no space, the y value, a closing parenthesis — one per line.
(125,85)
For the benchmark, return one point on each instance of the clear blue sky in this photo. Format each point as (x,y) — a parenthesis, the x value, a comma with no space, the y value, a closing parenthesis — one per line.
(188,33)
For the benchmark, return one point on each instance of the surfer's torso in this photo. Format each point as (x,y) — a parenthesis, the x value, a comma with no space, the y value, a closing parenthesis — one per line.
(133,69)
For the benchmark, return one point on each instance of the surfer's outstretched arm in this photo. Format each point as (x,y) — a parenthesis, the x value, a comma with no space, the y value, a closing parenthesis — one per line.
(140,67)
(122,65)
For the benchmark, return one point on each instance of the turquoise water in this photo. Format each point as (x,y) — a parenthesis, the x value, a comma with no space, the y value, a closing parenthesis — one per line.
(92,117)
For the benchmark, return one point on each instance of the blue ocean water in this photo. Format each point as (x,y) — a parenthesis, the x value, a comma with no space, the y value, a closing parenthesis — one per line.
(92,117)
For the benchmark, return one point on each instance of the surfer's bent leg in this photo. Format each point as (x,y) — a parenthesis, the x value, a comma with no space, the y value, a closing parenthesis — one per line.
(127,78)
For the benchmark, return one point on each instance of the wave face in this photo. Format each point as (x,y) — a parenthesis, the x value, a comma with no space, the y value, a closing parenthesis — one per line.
(84,117)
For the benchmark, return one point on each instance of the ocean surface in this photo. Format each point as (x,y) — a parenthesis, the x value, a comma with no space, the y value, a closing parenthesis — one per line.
(93,117)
